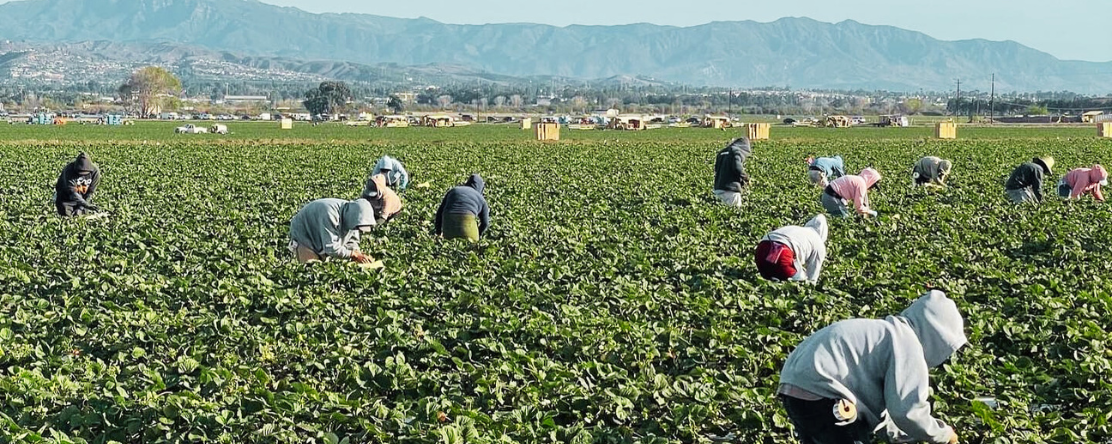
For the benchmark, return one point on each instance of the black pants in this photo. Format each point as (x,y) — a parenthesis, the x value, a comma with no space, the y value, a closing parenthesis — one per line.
(815,424)
(67,209)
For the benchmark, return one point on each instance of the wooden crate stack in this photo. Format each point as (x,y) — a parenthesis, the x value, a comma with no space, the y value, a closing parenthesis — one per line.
(1104,129)
(946,130)
(547,131)
(759,131)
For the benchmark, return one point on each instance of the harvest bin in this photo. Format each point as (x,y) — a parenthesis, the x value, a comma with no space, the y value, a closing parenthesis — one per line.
(547,131)
(526,123)
(946,130)
(1104,129)
(287,124)
(759,131)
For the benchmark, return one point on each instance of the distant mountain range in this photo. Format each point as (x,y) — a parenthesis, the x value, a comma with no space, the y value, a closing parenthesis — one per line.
(796,52)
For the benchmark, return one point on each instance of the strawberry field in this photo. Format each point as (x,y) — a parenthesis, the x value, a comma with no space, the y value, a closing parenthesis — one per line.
(611,301)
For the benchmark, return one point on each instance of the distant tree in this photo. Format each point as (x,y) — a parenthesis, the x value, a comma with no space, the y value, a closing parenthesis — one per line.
(499,101)
(395,104)
(1036,110)
(329,97)
(444,100)
(148,88)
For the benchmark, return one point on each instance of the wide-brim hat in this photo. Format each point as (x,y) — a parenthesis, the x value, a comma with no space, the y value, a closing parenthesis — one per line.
(1048,162)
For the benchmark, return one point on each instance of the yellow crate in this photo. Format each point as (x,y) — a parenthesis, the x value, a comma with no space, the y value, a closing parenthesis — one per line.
(759,131)
(287,124)
(946,130)
(547,131)
(526,124)
(1104,129)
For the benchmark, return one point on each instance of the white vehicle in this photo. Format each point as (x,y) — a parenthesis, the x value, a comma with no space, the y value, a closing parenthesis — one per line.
(264,116)
(218,129)
(190,129)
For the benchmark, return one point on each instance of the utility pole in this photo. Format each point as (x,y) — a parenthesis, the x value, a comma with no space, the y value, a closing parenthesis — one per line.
(957,105)
(992,101)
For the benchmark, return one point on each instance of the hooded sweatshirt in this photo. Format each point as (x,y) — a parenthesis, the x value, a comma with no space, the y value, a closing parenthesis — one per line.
(1029,174)
(393,170)
(729,166)
(808,243)
(882,365)
(330,227)
(931,169)
(1086,180)
(383,199)
(832,167)
(856,188)
(78,182)
(465,199)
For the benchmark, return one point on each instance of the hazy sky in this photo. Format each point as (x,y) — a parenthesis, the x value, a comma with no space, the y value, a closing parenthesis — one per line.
(1075,30)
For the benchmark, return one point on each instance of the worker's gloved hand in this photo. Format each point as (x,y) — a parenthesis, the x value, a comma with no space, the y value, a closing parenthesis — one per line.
(953,437)
(871,213)
(92,207)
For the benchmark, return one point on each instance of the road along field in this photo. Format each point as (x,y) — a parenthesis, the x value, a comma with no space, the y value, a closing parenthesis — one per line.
(612,300)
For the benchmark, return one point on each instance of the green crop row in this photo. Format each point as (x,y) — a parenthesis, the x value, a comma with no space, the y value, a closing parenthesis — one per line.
(613,300)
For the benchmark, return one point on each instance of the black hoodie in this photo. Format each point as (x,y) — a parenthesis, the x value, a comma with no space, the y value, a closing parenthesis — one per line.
(465,199)
(78,182)
(1029,174)
(729,166)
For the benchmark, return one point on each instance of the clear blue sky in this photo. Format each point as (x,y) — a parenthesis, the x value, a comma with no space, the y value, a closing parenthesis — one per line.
(1073,30)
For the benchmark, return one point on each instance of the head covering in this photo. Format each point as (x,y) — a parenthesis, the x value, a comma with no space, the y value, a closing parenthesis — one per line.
(1098,175)
(775,261)
(741,145)
(818,178)
(871,177)
(1046,162)
(944,168)
(357,213)
(83,164)
(939,326)
(818,223)
(475,181)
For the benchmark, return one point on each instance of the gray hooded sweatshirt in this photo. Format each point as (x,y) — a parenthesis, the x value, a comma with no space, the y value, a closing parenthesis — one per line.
(330,227)
(808,243)
(883,366)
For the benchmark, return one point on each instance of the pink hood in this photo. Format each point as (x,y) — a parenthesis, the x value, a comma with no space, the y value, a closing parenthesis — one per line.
(871,177)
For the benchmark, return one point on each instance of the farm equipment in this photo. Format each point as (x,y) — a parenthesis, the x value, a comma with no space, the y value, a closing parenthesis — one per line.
(838,122)
(893,120)
(218,129)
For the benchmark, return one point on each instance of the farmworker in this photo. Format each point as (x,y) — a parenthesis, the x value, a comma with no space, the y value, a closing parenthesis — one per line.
(839,382)
(329,227)
(1025,183)
(464,213)
(793,252)
(729,171)
(383,199)
(824,169)
(931,171)
(395,173)
(73,192)
(1082,181)
(851,189)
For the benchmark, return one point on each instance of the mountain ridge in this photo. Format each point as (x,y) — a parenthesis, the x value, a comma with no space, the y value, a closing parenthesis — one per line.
(791,51)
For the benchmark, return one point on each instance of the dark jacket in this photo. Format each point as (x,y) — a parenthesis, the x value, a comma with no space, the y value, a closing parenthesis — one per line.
(77,183)
(1029,174)
(465,199)
(729,166)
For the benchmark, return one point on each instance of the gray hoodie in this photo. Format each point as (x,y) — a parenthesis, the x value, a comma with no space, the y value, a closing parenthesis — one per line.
(330,227)
(883,366)
(808,243)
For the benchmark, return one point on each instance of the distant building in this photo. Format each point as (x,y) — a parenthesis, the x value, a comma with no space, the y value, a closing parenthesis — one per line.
(406,97)
(245,99)
(1091,116)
